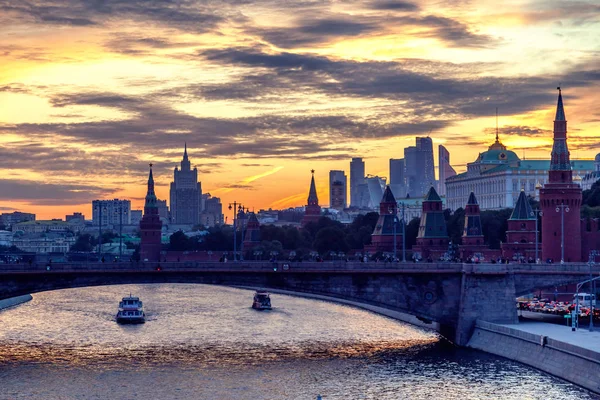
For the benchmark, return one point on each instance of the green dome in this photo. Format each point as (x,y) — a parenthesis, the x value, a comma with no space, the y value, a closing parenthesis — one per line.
(498,156)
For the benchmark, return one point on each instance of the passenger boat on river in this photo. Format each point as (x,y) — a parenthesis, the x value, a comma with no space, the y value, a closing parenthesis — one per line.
(131,311)
(262,300)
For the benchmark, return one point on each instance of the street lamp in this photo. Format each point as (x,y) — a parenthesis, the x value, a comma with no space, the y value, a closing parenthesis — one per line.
(562,208)
(99,208)
(537,213)
(392,211)
(120,212)
(403,234)
(236,206)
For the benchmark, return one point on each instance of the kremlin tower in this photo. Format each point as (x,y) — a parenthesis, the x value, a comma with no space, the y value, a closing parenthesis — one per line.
(432,241)
(150,226)
(520,236)
(472,237)
(312,211)
(560,199)
(382,238)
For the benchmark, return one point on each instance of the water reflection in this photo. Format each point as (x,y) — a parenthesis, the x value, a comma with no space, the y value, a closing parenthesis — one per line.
(206,342)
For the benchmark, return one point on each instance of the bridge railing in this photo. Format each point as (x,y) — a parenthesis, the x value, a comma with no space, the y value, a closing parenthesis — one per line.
(279,266)
(286,266)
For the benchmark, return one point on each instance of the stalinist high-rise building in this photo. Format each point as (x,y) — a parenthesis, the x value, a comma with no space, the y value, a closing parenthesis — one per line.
(186,194)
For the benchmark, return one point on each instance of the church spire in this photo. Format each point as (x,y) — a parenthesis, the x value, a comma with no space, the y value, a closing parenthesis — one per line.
(312,194)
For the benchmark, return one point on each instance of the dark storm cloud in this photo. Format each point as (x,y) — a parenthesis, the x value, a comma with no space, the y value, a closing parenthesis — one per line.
(131,44)
(183,15)
(432,92)
(310,32)
(50,194)
(519,130)
(392,5)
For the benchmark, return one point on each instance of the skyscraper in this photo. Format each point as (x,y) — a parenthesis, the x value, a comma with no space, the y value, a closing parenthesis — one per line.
(419,171)
(186,194)
(397,185)
(357,177)
(338,188)
(445,169)
(425,148)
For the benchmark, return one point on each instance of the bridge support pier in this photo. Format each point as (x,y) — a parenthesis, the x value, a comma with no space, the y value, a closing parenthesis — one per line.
(485,296)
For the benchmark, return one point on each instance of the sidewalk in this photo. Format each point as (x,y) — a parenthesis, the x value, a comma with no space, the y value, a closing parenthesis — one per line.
(582,337)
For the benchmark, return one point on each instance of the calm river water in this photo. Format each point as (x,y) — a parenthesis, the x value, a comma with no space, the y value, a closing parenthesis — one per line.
(205,342)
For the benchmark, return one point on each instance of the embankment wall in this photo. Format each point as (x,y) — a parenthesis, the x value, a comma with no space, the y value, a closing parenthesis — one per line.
(571,363)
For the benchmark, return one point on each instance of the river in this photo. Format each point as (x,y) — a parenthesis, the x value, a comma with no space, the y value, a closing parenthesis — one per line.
(205,342)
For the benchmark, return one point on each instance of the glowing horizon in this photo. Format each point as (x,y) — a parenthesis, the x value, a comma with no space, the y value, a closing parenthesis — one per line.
(264,92)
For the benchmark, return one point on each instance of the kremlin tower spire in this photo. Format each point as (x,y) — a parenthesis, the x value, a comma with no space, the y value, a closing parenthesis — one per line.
(312,211)
(560,199)
(560,164)
(150,225)
(312,193)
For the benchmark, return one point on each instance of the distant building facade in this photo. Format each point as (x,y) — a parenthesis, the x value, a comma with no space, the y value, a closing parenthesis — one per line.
(75,217)
(136,217)
(212,213)
(9,219)
(498,175)
(591,177)
(112,212)
(338,188)
(445,169)
(185,194)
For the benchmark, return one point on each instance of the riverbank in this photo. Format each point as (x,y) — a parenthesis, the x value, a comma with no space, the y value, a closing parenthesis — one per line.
(555,349)
(14,301)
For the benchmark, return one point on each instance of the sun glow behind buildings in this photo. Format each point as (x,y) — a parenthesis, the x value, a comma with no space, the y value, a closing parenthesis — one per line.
(263,93)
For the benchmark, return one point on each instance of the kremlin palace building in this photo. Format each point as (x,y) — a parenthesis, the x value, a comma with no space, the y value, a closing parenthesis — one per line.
(498,175)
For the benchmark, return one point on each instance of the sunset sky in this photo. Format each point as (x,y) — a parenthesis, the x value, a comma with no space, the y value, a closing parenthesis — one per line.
(92,91)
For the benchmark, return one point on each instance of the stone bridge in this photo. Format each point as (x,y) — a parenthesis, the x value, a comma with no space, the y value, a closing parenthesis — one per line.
(453,295)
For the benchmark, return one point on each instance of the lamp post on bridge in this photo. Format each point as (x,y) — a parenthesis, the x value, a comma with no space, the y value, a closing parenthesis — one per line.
(235,210)
(392,210)
(537,213)
(591,263)
(121,212)
(562,208)
(99,208)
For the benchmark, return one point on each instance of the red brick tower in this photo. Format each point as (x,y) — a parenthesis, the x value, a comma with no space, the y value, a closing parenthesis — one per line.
(432,241)
(382,238)
(312,211)
(150,226)
(472,237)
(520,236)
(560,199)
(252,237)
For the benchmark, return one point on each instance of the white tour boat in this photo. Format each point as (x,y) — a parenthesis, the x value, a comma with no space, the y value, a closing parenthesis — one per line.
(131,311)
